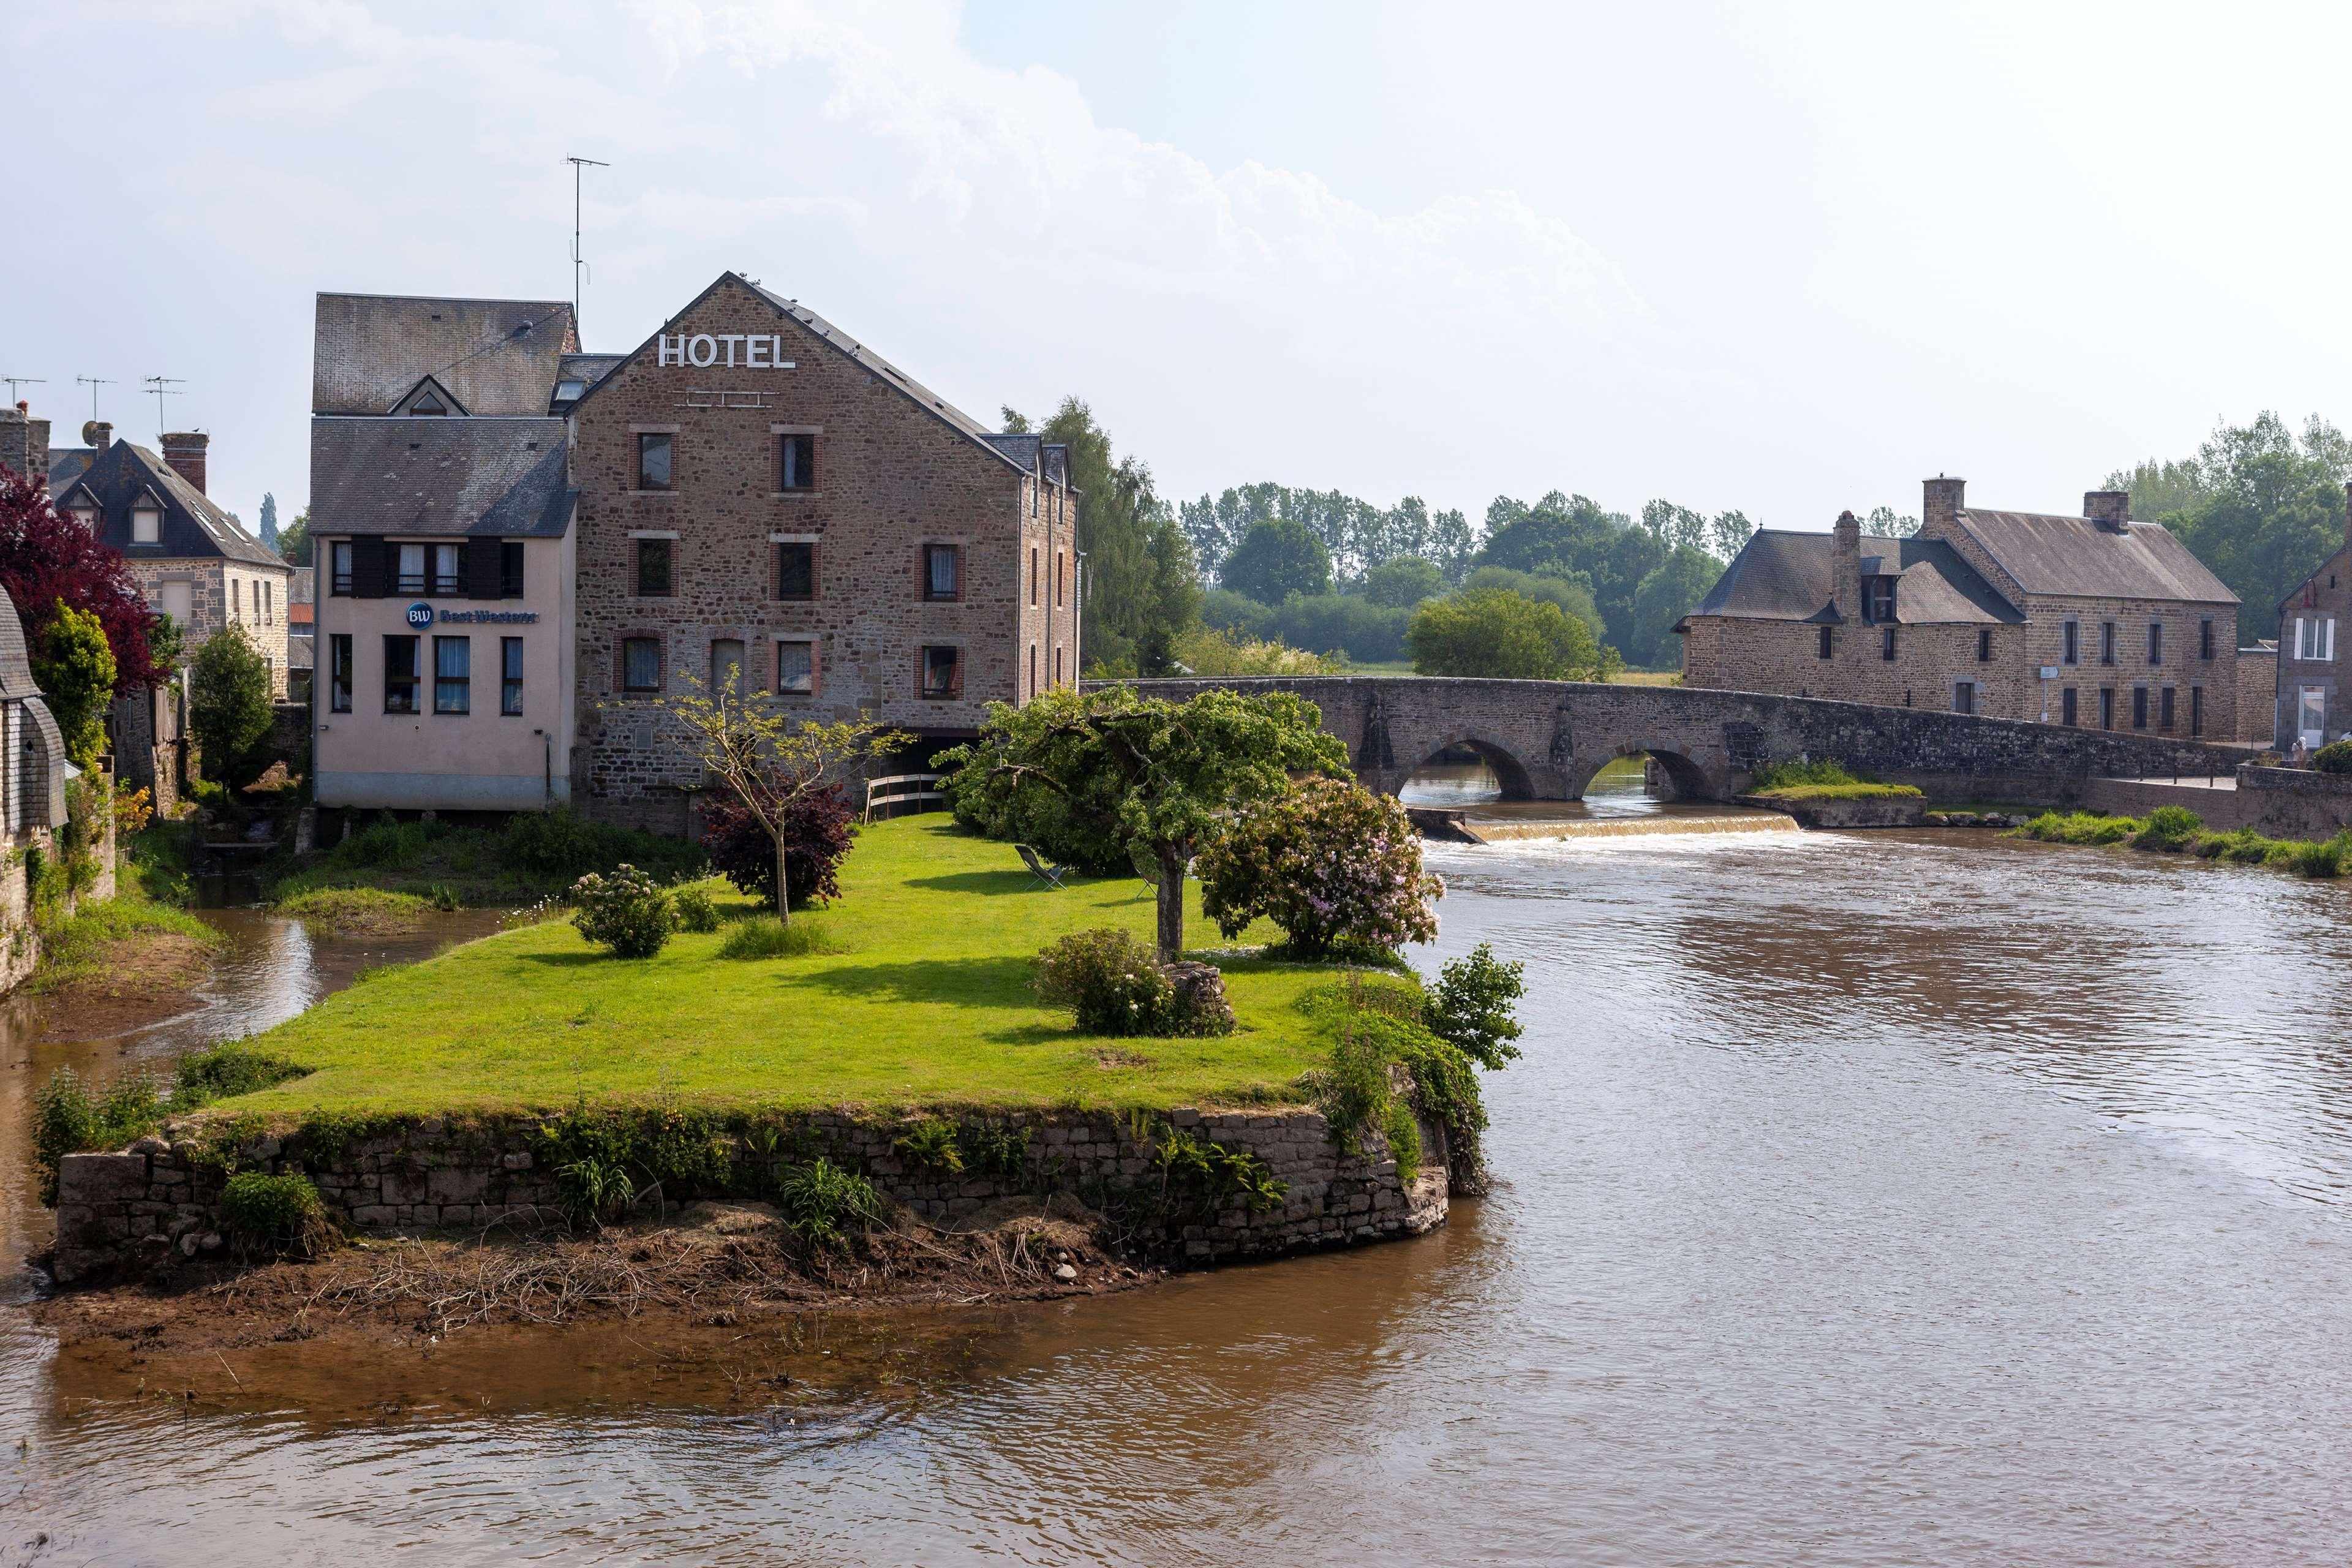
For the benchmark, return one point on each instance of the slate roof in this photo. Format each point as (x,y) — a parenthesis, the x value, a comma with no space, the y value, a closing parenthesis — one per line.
(496,356)
(2075,556)
(500,477)
(193,527)
(68,464)
(15,660)
(1782,576)
(585,369)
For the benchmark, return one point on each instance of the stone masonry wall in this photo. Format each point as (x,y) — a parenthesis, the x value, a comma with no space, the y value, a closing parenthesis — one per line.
(891,476)
(156,1203)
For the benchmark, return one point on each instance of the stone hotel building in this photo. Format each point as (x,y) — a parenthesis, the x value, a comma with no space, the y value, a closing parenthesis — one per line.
(2313,704)
(2090,620)
(749,499)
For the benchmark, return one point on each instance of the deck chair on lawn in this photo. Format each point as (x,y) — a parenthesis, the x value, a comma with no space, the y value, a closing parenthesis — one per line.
(1041,870)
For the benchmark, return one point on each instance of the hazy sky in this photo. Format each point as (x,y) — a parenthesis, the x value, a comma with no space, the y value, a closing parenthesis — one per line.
(1786,260)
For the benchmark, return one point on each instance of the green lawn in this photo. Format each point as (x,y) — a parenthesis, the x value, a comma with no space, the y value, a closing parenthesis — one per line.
(927,1006)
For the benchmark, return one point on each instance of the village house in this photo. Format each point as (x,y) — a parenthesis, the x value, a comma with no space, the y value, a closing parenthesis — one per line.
(2313,704)
(2090,620)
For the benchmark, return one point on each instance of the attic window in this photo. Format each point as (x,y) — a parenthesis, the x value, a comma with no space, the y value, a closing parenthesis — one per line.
(426,403)
(146,525)
(570,391)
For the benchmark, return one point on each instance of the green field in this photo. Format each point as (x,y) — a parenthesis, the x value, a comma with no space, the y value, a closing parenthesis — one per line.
(927,1003)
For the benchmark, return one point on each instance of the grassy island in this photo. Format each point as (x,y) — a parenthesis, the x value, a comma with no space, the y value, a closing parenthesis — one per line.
(920,996)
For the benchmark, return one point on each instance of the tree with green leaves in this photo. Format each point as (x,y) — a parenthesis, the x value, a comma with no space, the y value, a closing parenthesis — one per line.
(1402,582)
(1140,590)
(1277,558)
(269,533)
(73,666)
(228,703)
(1672,590)
(294,542)
(1152,777)
(1565,536)
(1496,632)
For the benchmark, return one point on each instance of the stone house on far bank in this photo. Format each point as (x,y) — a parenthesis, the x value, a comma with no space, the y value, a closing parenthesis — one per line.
(2090,620)
(2314,702)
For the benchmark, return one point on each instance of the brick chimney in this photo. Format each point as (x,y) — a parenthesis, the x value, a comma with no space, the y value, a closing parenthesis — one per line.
(1846,567)
(1940,503)
(25,442)
(185,450)
(2111,509)
(101,435)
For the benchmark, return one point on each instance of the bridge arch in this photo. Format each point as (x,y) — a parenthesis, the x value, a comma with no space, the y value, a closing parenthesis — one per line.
(1510,771)
(1686,779)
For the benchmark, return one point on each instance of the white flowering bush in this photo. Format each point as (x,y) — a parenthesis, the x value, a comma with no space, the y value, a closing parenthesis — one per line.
(625,910)
(1335,866)
(1110,980)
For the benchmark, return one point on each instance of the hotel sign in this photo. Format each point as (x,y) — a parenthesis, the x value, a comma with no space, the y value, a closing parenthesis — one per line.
(421,614)
(731,350)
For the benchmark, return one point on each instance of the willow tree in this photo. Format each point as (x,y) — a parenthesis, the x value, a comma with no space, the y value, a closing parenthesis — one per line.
(1089,775)
(771,760)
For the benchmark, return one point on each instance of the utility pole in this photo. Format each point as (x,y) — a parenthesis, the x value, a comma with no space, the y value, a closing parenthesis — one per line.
(17,381)
(578,266)
(94,383)
(159,387)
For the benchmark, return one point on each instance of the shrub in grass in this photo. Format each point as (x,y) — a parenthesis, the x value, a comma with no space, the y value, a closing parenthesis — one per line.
(695,911)
(230,1070)
(622,911)
(274,1211)
(765,936)
(2336,757)
(824,1204)
(2169,828)
(1334,865)
(68,1116)
(1474,1006)
(2325,858)
(817,829)
(1109,980)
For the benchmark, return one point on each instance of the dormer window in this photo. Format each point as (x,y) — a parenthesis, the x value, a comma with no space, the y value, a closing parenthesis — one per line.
(84,515)
(429,399)
(570,391)
(428,404)
(146,525)
(1878,599)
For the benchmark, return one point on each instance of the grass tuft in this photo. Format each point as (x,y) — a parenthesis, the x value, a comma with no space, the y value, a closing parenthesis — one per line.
(765,936)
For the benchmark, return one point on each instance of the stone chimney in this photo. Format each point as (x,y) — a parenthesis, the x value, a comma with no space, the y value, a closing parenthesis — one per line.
(2111,509)
(1846,567)
(185,450)
(25,442)
(101,435)
(1939,504)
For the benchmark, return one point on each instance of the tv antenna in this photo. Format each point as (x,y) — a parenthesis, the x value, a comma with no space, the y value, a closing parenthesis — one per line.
(94,383)
(159,387)
(17,381)
(578,265)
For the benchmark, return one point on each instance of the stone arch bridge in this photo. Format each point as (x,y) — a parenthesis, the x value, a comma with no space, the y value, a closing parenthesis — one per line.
(1546,739)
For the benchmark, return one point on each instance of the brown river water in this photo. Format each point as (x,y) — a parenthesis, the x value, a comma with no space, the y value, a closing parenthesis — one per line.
(1865,1198)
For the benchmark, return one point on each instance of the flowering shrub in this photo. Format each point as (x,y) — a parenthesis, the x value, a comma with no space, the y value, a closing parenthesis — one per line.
(624,911)
(1334,865)
(817,829)
(694,910)
(1109,980)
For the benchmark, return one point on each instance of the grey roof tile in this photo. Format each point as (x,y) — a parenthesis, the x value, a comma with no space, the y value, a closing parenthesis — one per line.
(502,478)
(194,526)
(1786,576)
(496,356)
(2075,556)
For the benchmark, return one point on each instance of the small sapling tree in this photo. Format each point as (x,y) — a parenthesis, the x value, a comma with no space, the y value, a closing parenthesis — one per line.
(228,703)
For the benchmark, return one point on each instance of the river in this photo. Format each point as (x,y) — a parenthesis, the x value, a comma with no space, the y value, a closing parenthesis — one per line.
(1865,1198)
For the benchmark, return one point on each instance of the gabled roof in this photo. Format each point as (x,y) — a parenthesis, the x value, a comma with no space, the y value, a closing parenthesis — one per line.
(429,385)
(193,527)
(585,369)
(2076,557)
(495,478)
(495,356)
(1780,575)
(16,660)
(68,464)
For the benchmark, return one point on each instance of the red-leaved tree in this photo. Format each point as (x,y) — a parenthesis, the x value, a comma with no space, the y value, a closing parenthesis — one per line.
(47,559)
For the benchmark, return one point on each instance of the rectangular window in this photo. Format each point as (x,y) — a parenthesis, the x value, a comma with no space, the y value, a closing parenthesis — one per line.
(511,569)
(1825,644)
(2156,642)
(339,673)
(2106,642)
(2196,710)
(653,461)
(1984,644)
(1964,696)
(942,577)
(1057,579)
(1032,577)
(453,675)
(400,675)
(942,672)
(796,668)
(641,664)
(1057,667)
(268,604)
(653,568)
(146,525)
(410,578)
(726,668)
(2302,638)
(2067,715)
(2073,642)
(1878,600)
(2164,709)
(2139,707)
(795,570)
(797,463)
(449,568)
(236,598)
(2311,717)
(2205,638)
(1886,644)
(510,677)
(339,566)
(1033,670)
(2107,706)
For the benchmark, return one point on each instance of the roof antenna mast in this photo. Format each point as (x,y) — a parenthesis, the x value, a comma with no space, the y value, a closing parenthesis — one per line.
(159,387)
(94,383)
(17,381)
(578,266)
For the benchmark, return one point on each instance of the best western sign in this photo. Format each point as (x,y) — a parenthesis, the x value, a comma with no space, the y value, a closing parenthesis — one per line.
(749,351)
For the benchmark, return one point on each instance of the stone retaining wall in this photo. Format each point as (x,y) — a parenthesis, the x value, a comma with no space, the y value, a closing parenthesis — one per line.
(2278,802)
(157,1202)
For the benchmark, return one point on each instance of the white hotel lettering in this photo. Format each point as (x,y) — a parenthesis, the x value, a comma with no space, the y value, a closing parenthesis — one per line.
(760,351)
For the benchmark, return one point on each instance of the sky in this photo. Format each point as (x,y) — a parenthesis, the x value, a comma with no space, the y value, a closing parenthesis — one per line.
(1786,260)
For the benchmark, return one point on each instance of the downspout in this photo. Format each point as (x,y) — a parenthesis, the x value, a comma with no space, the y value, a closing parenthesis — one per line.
(1078,621)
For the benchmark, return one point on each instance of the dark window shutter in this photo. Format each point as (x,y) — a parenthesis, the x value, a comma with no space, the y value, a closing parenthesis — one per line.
(482,561)
(370,567)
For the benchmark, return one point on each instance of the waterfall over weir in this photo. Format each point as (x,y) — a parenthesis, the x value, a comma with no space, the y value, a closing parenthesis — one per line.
(1461,801)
